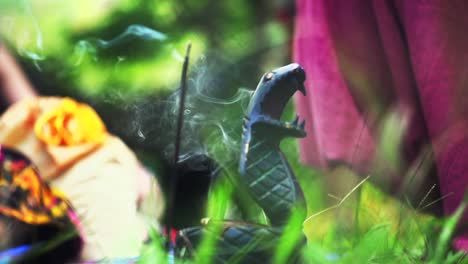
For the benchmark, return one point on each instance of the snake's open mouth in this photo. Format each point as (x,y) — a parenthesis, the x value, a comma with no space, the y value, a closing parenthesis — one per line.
(286,81)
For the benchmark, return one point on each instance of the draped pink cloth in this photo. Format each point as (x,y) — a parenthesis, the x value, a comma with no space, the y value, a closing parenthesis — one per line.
(364,58)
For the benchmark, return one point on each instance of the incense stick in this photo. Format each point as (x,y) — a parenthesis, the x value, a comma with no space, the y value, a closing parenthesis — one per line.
(180,121)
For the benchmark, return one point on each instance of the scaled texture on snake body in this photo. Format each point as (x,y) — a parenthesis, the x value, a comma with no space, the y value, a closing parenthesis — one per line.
(264,172)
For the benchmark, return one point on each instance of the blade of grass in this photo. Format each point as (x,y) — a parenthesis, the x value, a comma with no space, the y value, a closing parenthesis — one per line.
(447,232)
(340,203)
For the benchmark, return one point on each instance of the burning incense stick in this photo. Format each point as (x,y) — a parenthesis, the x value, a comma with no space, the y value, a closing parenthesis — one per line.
(180,121)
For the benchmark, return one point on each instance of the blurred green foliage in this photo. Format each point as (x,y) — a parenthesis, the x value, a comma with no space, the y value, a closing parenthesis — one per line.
(59,38)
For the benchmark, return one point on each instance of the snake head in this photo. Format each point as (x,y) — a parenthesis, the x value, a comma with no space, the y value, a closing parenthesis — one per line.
(271,96)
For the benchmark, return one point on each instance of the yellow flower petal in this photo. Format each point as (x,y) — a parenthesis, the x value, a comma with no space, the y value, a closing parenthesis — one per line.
(70,124)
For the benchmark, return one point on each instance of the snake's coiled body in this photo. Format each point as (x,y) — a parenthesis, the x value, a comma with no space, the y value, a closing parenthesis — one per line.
(264,172)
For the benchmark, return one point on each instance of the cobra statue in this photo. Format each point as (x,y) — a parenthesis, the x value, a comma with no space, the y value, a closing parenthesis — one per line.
(265,173)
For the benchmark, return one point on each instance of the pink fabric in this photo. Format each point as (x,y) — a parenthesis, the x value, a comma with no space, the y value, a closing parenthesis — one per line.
(364,58)
(461,242)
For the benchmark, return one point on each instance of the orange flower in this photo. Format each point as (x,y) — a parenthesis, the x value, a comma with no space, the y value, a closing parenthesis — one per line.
(70,124)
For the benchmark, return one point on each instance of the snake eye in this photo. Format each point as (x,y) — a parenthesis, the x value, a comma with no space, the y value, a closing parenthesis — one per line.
(269,76)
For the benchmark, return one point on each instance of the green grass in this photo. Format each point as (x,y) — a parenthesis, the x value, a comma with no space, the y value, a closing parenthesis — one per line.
(413,239)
